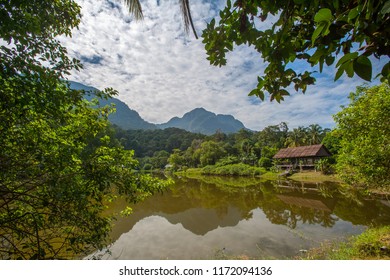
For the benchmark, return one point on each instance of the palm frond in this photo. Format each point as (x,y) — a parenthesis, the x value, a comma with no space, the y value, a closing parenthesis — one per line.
(135,8)
(186,13)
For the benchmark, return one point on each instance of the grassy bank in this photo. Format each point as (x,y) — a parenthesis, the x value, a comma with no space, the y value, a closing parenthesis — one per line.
(314,177)
(243,170)
(373,244)
(233,170)
(247,170)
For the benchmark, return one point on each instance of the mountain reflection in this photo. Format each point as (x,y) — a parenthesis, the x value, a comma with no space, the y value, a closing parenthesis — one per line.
(204,205)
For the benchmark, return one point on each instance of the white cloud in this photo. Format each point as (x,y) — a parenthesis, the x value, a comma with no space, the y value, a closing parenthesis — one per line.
(161,72)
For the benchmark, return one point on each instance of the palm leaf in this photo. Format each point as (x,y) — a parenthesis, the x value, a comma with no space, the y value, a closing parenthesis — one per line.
(186,13)
(135,8)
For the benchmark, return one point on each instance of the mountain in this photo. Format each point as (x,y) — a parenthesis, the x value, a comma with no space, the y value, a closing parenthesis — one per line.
(124,117)
(198,120)
(202,121)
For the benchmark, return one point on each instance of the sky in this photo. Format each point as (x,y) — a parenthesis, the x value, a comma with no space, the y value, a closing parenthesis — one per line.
(162,72)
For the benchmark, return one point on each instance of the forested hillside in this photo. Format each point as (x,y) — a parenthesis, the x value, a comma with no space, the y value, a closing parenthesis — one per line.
(180,148)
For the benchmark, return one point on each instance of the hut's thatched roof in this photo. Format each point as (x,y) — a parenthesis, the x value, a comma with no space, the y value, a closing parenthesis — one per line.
(304,151)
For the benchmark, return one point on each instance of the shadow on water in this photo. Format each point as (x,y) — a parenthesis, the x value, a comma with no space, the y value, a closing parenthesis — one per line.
(271,219)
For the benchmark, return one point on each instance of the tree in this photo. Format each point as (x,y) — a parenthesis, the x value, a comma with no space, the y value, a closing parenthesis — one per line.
(58,163)
(273,135)
(332,141)
(177,159)
(210,152)
(160,159)
(297,137)
(363,126)
(316,32)
(314,134)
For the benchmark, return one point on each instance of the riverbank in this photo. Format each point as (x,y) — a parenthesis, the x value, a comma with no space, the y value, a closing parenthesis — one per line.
(306,176)
(314,177)
(373,244)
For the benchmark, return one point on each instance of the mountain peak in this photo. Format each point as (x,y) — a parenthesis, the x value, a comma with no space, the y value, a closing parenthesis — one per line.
(123,117)
(199,120)
(197,112)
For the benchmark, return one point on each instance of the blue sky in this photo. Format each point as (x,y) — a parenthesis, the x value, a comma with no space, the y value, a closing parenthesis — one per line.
(161,72)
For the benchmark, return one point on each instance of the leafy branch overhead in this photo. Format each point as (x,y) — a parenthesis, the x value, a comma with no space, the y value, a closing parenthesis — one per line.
(59,165)
(313,31)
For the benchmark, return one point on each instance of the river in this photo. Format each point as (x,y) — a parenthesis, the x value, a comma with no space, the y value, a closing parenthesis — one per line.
(218,217)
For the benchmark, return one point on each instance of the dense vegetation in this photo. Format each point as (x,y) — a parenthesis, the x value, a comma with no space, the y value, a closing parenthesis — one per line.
(359,144)
(181,149)
(60,161)
(364,130)
(146,143)
(58,164)
(374,244)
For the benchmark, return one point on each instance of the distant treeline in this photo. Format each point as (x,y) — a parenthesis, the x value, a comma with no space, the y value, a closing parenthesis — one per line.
(180,148)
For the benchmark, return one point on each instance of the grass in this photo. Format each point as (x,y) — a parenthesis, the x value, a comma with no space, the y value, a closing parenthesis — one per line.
(190,171)
(314,177)
(246,170)
(373,244)
(230,170)
(269,175)
(237,169)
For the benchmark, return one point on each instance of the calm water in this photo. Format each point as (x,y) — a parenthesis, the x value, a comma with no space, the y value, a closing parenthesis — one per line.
(202,219)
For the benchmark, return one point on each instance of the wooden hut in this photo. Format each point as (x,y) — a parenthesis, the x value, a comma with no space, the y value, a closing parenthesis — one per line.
(304,157)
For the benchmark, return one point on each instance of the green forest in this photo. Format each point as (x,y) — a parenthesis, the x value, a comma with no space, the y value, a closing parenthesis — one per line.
(181,149)
(61,160)
(358,144)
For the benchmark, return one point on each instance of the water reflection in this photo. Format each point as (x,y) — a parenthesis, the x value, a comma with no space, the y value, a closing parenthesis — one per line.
(276,219)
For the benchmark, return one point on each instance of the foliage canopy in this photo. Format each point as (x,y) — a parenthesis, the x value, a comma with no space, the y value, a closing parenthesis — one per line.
(363,127)
(58,164)
(316,32)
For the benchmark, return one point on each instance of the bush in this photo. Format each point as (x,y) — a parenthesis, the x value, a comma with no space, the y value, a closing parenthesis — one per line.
(148,166)
(227,161)
(265,162)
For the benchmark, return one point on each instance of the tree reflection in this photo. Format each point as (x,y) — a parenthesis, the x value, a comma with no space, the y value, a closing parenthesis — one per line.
(204,204)
(299,203)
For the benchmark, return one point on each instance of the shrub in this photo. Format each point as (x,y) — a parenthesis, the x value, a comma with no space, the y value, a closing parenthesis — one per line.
(148,166)
(265,162)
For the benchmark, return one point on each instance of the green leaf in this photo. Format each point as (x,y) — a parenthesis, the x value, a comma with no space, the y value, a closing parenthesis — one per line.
(353,13)
(345,58)
(386,8)
(317,32)
(339,72)
(253,92)
(212,23)
(363,67)
(348,66)
(336,4)
(329,60)
(260,94)
(316,56)
(283,92)
(324,14)
(326,29)
(386,70)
